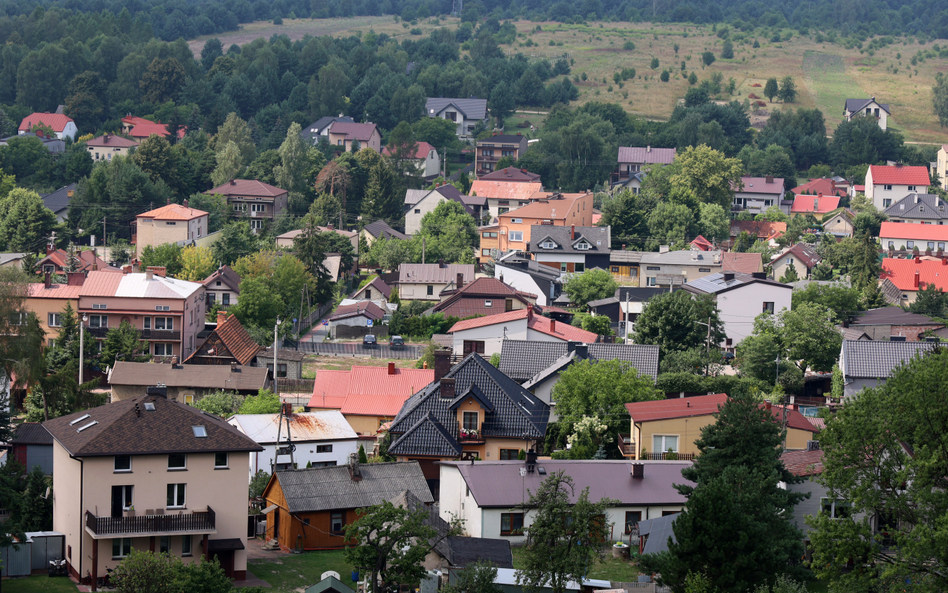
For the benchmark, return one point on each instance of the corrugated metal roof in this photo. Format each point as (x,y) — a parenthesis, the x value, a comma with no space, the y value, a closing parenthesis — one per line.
(646,155)
(304,427)
(369,391)
(110,284)
(55,291)
(143,374)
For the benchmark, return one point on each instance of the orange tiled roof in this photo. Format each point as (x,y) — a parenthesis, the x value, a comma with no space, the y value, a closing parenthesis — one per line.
(56,121)
(504,190)
(368,391)
(173,212)
(541,207)
(238,341)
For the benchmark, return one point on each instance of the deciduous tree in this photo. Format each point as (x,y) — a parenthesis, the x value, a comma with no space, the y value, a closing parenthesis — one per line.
(590,286)
(673,321)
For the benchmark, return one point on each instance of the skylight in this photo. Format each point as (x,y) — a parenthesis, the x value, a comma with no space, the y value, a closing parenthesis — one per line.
(90,425)
(150,406)
(78,420)
(200,432)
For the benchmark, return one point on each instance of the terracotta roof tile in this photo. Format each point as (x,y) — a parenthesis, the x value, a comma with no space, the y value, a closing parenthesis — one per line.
(913,231)
(56,121)
(901,272)
(421,153)
(758,228)
(816,187)
(505,190)
(173,212)
(803,463)
(814,204)
(899,175)
(545,325)
(247,187)
(235,338)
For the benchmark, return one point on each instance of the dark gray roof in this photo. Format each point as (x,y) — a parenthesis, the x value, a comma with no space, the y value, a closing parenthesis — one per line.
(380,228)
(716,283)
(658,530)
(329,584)
(330,488)
(523,360)
(468,550)
(315,129)
(601,302)
(638,293)
(472,108)
(58,201)
(919,206)
(892,316)
(566,238)
(878,359)
(426,422)
(545,277)
(32,433)
(853,105)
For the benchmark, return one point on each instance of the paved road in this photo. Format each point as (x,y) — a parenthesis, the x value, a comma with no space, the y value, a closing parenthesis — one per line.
(317,334)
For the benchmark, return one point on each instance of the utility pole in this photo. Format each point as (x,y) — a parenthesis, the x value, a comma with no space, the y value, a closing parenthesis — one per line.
(276,389)
(707,344)
(105,241)
(628,296)
(423,246)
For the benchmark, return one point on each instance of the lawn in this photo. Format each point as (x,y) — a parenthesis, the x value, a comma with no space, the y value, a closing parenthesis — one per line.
(610,569)
(36,584)
(288,573)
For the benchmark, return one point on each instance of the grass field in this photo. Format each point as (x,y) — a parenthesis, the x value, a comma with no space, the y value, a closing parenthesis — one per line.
(610,569)
(38,584)
(295,572)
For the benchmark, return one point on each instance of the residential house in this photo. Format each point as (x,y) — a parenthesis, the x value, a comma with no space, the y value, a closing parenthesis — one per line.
(868,108)
(169,224)
(140,128)
(425,282)
(62,125)
(885,322)
(571,249)
(743,263)
(289,364)
(801,256)
(840,224)
(169,313)
(626,304)
(635,159)
(918,208)
(32,446)
(363,314)
(222,287)
(490,150)
(740,299)
(925,238)
(486,494)
(887,184)
(286,240)
(808,464)
(757,194)
(827,186)
(513,229)
(322,439)
(56,262)
(869,363)
(941,166)
(380,230)
(343,134)
(674,268)
(12,260)
(184,383)
(501,195)
(367,396)
(908,276)
(816,206)
(53,145)
(151,474)
(426,160)
(528,276)
(320,128)
(107,146)
(624,265)
(484,296)
(252,199)
(314,505)
(472,412)
(486,335)
(374,290)
(227,344)
(466,113)
(48,300)
(430,201)
(512,175)
(701,244)
(58,201)
(761,230)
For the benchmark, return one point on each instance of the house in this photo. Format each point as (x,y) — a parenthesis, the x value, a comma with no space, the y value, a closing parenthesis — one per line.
(671,426)
(887,184)
(222,286)
(486,335)
(169,224)
(840,224)
(343,134)
(364,314)
(801,256)
(88,260)
(107,146)
(757,194)
(47,301)
(513,229)
(816,206)
(289,363)
(624,265)
(252,199)
(430,200)
(570,249)
(424,282)
(466,113)
(58,201)
(286,240)
(908,276)
(314,506)
(941,166)
(380,230)
(169,313)
(32,446)
(743,263)
(511,175)
(184,383)
(53,145)
(12,260)
(528,276)
(634,159)
(808,464)
(869,108)
(140,128)
(925,238)
(822,186)
(918,208)
(59,123)
(367,396)
(227,344)
(486,493)
(740,299)
(473,411)
(655,534)
(761,230)
(376,289)
(151,474)
(869,363)
(502,195)
(322,439)
(674,268)
(489,151)
(886,322)
(320,128)
(426,159)
(484,296)
(626,304)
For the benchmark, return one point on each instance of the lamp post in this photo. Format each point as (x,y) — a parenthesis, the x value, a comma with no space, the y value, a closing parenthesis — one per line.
(276,390)
(82,344)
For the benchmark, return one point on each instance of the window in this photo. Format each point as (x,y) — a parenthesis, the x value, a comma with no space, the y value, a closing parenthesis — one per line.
(98,321)
(517,220)
(170,223)
(186,545)
(662,443)
(123,463)
(614,269)
(835,508)
(886,202)
(258,208)
(632,519)
(911,188)
(220,461)
(548,245)
(163,349)
(580,267)
(653,268)
(470,421)
(256,224)
(705,270)
(931,244)
(281,369)
(511,523)
(503,210)
(563,267)
(430,290)
(175,496)
(488,303)
(887,187)
(225,298)
(515,236)
(177,461)
(583,246)
(941,246)
(165,545)
(49,269)
(199,432)
(336,523)
(146,323)
(99,306)
(485,252)
(240,207)
(164,323)
(650,282)
(417,210)
(162,307)
(324,448)
(54,320)
(489,235)
(509,454)
(910,244)
(768,307)
(51,343)
(121,547)
(891,244)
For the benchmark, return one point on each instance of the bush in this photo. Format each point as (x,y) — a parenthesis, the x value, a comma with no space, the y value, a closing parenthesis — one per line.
(628,46)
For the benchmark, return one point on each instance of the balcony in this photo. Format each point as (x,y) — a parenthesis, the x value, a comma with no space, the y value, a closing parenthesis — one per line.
(148,525)
(97,332)
(626,445)
(668,456)
(161,334)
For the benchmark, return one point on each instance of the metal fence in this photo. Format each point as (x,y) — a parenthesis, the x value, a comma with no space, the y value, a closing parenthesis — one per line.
(356,349)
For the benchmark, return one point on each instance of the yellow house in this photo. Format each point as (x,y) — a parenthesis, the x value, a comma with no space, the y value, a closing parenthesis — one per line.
(169,224)
(47,301)
(108,146)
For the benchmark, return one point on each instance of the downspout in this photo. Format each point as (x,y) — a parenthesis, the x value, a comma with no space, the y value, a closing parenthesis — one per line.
(82,532)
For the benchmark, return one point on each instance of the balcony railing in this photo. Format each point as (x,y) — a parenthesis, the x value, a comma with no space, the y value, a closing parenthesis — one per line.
(146,334)
(668,456)
(626,445)
(194,522)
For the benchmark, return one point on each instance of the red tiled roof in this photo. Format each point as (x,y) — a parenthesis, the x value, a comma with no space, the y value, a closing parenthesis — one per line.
(913,232)
(899,175)
(56,121)
(795,419)
(421,153)
(814,204)
(87,260)
(901,272)
(368,391)
(545,325)
(504,190)
(147,128)
(761,229)
(684,407)
(760,185)
(544,208)
(803,463)
(238,341)
(859,188)
(111,140)
(173,212)
(744,263)
(470,300)
(247,187)
(38,290)
(816,187)
(701,243)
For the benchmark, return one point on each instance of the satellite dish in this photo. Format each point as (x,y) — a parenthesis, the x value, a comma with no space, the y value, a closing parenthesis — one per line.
(46,496)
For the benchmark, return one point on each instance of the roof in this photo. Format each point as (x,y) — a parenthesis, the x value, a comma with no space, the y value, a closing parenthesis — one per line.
(684,407)
(819,186)
(112,141)
(470,299)
(918,206)
(523,359)
(110,284)
(38,290)
(448,192)
(913,231)
(854,105)
(511,174)
(892,316)
(232,334)
(717,283)
(31,433)
(500,484)
(58,201)
(659,530)
(443,340)
(354,131)
(803,463)
(413,196)
(759,228)
(472,108)
(378,284)
(642,357)
(684,257)
(129,427)
(623,256)
(803,252)
(701,243)
(227,276)
(282,354)
(853,334)
(545,325)
(505,190)
(329,488)
(901,273)
(143,374)
(646,155)
(427,423)
(145,128)
(366,309)
(329,583)
(794,419)
(743,263)
(814,204)
(267,429)
(434,273)
(468,550)
(877,359)
(421,152)
(549,206)
(173,212)
(569,239)
(502,138)
(761,185)
(316,128)
(247,187)
(6,258)
(899,175)
(368,391)
(56,121)
(87,260)
(380,228)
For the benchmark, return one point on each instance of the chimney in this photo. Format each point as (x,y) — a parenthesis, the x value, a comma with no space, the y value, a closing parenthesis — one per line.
(531,461)
(571,346)
(233,182)
(768,405)
(442,364)
(48,279)
(812,445)
(582,351)
(638,471)
(174,362)
(391,368)
(663,249)
(157,390)
(447,388)
(769,179)
(460,280)
(330,227)
(126,269)
(221,317)
(149,274)
(916,198)
(355,472)
(185,202)
(918,260)
(529,313)
(553,326)
(158,270)
(915,281)
(75,278)
(287,408)
(233,367)
(759,275)
(648,148)
(944,261)
(572,232)
(728,276)
(50,249)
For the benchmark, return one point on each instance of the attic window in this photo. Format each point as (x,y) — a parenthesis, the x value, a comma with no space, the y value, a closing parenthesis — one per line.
(200,431)
(548,245)
(99,306)
(488,303)
(160,307)
(583,246)
(149,406)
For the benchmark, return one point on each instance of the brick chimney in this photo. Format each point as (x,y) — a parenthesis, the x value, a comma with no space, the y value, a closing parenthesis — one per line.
(75,278)
(391,368)
(48,280)
(553,326)
(185,202)
(769,179)
(442,364)
(447,388)
(460,280)
(221,317)
(157,270)
(916,278)
(572,232)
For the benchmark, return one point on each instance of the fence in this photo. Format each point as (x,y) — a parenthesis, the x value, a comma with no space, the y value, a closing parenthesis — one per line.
(379,351)
(642,587)
(305,323)
(33,555)
(286,385)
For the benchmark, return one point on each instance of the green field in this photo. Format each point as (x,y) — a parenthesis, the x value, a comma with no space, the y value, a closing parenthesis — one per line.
(39,584)
(294,572)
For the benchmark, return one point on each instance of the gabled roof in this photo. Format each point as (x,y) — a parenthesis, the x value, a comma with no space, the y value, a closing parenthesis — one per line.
(427,436)
(701,243)
(173,212)
(718,283)
(330,488)
(434,273)
(56,121)
(759,228)
(380,228)
(667,409)
(538,323)
(232,334)
(31,433)
(522,360)
(892,316)
(546,206)
(472,108)
(743,263)
(511,174)
(470,299)
(413,196)
(111,284)
(854,105)
(87,261)
(823,185)
(920,207)
(502,139)
(646,155)
(899,175)
(567,239)
(266,429)
(820,204)
(449,192)
(803,252)
(877,359)
(129,427)
(58,201)
(354,131)
(366,309)
(368,391)
(227,276)
(803,463)
(378,284)
(901,273)
(760,185)
(315,129)
(644,359)
(421,152)
(213,376)
(505,190)
(913,231)
(112,141)
(247,188)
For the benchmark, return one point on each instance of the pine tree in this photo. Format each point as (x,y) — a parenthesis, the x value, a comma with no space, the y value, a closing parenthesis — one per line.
(790,275)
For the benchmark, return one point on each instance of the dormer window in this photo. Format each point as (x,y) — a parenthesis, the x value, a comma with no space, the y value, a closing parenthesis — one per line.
(583,246)
(548,245)
(470,421)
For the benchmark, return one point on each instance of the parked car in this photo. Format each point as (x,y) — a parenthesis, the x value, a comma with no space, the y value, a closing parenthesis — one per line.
(369,341)
(396,343)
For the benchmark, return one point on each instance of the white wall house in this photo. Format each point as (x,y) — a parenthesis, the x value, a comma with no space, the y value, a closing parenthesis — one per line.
(757,194)
(529,276)
(486,335)
(886,185)
(867,108)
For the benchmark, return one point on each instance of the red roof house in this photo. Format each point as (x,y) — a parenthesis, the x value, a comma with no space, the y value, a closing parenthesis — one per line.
(485,335)
(817,205)
(61,124)
(815,187)
(899,175)
(912,275)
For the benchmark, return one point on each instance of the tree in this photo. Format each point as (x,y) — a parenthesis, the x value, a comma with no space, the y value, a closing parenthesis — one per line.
(842,300)
(788,90)
(564,538)
(162,81)
(882,457)
(940,98)
(235,241)
(237,131)
(265,402)
(146,572)
(389,543)
(673,322)
(86,102)
(590,286)
(166,255)
(381,199)
(708,174)
(866,267)
(124,343)
(771,89)
(25,222)
(597,324)
(258,483)
(197,263)
(727,50)
(258,305)
(478,577)
(229,164)
(290,173)
(930,301)
(708,58)
(713,222)
(35,512)
(790,275)
(221,403)
(449,232)
(501,104)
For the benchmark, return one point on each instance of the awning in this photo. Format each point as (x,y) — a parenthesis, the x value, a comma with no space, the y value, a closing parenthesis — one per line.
(224,545)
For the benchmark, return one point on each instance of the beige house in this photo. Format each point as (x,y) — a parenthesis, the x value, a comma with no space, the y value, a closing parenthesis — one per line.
(169,224)
(802,257)
(839,224)
(47,301)
(674,268)
(149,474)
(185,383)
(254,200)
(941,166)
(108,146)
(343,134)
(223,287)
(424,282)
